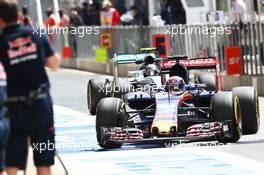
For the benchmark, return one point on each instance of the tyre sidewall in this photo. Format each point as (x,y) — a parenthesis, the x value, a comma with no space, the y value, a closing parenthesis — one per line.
(225,107)
(109,114)
(249,103)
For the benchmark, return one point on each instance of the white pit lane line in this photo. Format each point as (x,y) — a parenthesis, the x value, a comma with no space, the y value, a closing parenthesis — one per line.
(76,131)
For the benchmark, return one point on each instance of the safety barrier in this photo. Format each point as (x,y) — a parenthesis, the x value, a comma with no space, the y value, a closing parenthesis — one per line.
(229,42)
(191,40)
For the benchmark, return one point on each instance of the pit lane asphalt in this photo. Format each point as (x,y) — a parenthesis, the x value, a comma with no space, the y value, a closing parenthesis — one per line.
(69,90)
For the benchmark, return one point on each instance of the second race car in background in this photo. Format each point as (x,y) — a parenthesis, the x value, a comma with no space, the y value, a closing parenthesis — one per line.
(146,76)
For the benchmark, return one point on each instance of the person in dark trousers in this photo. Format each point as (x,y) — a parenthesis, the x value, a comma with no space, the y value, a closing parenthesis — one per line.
(137,15)
(84,13)
(4,126)
(94,14)
(173,12)
(24,55)
(75,21)
(96,8)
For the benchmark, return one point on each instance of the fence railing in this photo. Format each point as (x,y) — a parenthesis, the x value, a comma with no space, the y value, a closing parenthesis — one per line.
(191,40)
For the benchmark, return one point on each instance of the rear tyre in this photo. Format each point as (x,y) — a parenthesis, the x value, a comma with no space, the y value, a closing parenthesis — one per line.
(207,79)
(96,90)
(225,107)
(249,102)
(110,113)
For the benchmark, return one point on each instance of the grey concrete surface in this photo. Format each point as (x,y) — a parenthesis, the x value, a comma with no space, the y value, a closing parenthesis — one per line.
(69,87)
(69,90)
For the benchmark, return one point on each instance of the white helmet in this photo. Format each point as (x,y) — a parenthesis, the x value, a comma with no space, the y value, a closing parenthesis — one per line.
(151,70)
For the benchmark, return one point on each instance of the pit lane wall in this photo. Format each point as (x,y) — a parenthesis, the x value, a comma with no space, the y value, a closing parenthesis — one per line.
(228,82)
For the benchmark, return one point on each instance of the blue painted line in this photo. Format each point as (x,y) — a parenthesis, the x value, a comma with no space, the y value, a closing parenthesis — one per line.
(221,165)
(204,159)
(135,165)
(142,170)
(204,166)
(176,167)
(126,163)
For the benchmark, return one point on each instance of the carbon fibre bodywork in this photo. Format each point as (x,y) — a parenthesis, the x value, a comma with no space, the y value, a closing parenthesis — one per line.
(182,114)
(168,117)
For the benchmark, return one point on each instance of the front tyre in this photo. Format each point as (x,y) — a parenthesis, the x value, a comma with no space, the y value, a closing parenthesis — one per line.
(110,113)
(225,107)
(249,102)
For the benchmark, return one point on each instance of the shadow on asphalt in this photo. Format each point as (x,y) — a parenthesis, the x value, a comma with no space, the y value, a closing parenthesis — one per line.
(156,146)
(133,147)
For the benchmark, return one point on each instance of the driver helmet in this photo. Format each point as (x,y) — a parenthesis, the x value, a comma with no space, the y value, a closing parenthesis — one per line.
(175,83)
(151,70)
(149,59)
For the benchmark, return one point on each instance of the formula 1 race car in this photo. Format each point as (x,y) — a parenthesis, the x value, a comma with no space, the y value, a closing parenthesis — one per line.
(144,78)
(182,111)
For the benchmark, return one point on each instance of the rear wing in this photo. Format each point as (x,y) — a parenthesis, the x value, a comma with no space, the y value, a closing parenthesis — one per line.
(132,58)
(196,63)
(128,58)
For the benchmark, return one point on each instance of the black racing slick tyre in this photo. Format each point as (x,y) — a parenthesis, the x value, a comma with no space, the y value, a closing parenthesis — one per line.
(249,102)
(208,79)
(110,113)
(96,90)
(225,107)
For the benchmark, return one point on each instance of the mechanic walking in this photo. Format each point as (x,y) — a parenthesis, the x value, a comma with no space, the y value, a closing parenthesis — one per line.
(24,54)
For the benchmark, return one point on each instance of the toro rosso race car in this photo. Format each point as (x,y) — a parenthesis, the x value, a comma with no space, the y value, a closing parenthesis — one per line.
(146,76)
(180,111)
